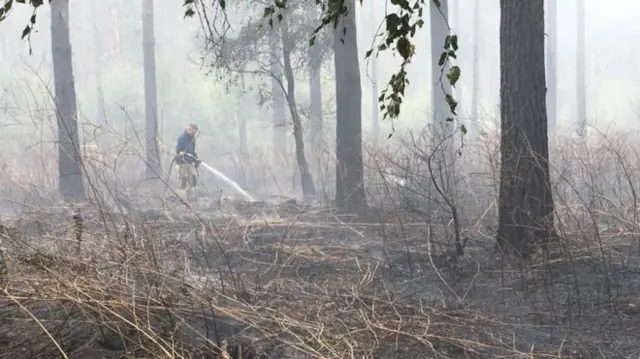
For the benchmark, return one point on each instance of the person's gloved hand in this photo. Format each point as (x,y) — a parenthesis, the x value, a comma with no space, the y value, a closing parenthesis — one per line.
(197,162)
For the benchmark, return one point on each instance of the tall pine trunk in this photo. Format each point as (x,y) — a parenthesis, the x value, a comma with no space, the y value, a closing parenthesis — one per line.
(316,135)
(150,93)
(526,204)
(70,182)
(552,74)
(443,130)
(350,194)
(242,136)
(368,16)
(98,50)
(581,68)
(475,70)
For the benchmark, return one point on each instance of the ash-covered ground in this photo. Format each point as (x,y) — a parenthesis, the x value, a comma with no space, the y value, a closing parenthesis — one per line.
(298,281)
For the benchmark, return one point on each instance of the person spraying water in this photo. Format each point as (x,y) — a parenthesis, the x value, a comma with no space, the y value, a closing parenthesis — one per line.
(188,163)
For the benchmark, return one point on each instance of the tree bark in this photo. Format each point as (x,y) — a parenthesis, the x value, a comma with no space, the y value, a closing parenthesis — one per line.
(369,9)
(315,93)
(457,26)
(278,100)
(350,195)
(115,28)
(439,86)
(308,188)
(154,168)
(552,74)
(475,70)
(581,83)
(98,50)
(443,131)
(242,137)
(70,182)
(526,204)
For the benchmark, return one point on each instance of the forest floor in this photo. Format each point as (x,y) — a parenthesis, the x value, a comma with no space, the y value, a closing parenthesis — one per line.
(306,283)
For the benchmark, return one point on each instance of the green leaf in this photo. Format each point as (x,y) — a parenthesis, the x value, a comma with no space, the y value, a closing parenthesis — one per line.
(454,42)
(189,13)
(453,75)
(451,102)
(404,48)
(443,58)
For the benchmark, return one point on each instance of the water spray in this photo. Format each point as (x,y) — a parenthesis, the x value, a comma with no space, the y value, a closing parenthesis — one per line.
(228,180)
(221,175)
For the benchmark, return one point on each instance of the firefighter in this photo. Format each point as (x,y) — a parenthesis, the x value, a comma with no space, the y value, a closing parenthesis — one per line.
(187,162)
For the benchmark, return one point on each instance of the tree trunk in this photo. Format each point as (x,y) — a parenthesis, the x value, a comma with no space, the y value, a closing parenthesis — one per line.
(552,75)
(315,93)
(308,188)
(150,97)
(242,137)
(278,104)
(475,70)
(443,131)
(350,193)
(115,28)
(581,85)
(526,204)
(368,27)
(98,50)
(375,107)
(457,26)
(439,30)
(70,181)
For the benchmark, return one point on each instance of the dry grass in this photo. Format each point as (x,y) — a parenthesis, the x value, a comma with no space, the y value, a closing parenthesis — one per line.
(306,282)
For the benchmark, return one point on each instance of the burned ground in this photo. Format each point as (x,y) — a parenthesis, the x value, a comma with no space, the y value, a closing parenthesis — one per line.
(307,283)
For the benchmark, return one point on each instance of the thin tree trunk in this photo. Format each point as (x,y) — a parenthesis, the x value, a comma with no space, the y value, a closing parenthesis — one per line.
(315,93)
(525,204)
(150,96)
(443,130)
(115,28)
(350,194)
(581,85)
(457,26)
(440,86)
(375,112)
(242,138)
(552,75)
(278,104)
(308,188)
(475,70)
(98,65)
(70,181)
